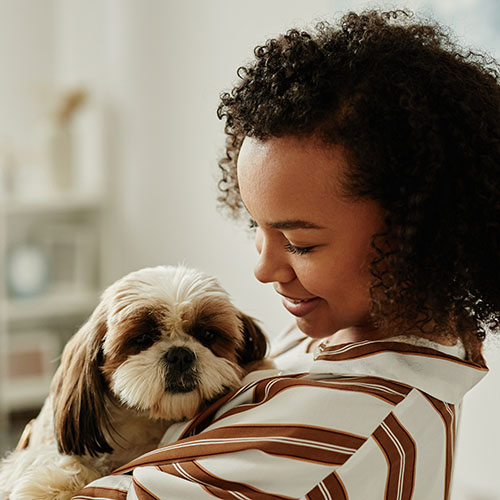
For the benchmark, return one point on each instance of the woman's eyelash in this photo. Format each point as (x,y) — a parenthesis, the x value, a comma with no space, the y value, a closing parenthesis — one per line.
(288,247)
(297,250)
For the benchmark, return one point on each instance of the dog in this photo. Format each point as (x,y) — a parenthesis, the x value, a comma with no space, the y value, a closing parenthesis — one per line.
(162,343)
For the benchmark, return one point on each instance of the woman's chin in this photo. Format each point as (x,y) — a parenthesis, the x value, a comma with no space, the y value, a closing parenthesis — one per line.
(315,329)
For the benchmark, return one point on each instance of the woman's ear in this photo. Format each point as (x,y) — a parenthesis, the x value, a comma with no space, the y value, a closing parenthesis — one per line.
(255,342)
(79,390)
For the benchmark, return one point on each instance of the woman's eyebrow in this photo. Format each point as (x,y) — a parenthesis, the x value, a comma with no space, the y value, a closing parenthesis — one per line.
(294,224)
(288,224)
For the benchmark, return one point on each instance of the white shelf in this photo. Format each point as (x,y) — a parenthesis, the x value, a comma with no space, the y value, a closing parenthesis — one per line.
(51,306)
(68,228)
(67,202)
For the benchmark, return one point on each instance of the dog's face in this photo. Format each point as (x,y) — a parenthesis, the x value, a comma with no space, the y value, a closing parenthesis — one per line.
(163,341)
(174,340)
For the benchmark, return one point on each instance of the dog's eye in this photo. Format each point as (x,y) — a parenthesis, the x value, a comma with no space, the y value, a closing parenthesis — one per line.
(144,340)
(207,336)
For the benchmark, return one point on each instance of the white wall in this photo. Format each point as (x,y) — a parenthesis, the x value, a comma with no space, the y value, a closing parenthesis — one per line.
(159,66)
(477,465)
(156,68)
(27,67)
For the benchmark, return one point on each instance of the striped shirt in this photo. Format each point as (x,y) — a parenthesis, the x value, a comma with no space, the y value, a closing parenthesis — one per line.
(368,420)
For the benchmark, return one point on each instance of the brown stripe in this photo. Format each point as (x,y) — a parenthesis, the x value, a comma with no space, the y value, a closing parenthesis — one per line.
(205,418)
(216,486)
(142,492)
(101,492)
(312,444)
(388,391)
(264,390)
(447,412)
(400,452)
(331,484)
(267,389)
(343,353)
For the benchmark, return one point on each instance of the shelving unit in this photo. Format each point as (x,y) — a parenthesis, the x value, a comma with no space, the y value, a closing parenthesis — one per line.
(61,238)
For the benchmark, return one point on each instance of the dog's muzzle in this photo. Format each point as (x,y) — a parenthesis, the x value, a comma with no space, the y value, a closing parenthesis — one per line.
(181,375)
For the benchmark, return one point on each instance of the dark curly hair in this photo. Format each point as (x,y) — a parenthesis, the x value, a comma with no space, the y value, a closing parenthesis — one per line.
(419,118)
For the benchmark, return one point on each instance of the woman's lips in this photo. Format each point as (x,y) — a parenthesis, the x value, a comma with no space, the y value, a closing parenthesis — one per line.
(300,307)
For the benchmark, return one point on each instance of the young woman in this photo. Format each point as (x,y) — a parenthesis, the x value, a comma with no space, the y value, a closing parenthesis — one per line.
(367,155)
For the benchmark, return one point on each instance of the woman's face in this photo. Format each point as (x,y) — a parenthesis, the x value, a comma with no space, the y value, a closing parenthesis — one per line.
(314,245)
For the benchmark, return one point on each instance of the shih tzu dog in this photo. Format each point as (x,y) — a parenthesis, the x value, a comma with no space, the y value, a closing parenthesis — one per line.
(162,343)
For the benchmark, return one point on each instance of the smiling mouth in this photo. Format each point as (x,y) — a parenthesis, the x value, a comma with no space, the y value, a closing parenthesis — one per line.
(294,300)
(300,307)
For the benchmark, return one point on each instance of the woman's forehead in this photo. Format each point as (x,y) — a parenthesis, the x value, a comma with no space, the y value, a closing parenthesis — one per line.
(289,179)
(298,164)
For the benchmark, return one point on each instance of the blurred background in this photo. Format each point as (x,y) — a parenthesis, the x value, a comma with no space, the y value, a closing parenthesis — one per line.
(109,143)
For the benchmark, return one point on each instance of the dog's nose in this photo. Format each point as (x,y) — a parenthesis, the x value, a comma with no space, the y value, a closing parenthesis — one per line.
(179,358)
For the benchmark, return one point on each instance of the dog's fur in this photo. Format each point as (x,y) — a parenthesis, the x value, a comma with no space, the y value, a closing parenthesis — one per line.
(162,344)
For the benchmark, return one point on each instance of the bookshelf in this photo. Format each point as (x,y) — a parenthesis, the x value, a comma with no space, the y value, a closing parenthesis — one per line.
(51,252)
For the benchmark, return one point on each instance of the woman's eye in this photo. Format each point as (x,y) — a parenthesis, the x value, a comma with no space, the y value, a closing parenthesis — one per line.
(252,224)
(297,250)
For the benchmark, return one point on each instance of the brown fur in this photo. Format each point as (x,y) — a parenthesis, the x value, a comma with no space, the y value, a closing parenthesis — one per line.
(80,416)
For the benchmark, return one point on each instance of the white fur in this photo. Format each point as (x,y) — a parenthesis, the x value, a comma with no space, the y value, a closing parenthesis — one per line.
(139,382)
(44,474)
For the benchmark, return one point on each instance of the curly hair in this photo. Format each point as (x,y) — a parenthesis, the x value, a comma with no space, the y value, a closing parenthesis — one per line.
(419,118)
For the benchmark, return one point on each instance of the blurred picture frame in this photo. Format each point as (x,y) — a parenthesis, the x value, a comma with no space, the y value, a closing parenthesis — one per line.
(31,363)
(72,257)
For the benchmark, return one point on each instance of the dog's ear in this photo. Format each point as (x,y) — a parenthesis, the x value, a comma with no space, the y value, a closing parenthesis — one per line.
(79,392)
(255,342)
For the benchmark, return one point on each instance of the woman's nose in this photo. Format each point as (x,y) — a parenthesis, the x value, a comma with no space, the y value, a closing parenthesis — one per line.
(272,265)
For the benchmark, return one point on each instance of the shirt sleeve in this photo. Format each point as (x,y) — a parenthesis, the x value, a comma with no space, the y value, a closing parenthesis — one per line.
(292,437)
(408,456)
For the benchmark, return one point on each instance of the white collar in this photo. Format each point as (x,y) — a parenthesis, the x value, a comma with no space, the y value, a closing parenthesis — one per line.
(437,370)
